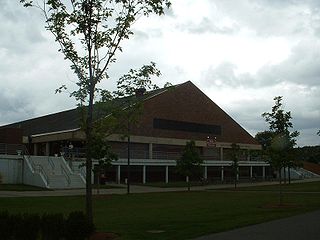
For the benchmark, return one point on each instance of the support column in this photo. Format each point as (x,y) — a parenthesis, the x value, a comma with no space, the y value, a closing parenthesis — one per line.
(118,174)
(251,172)
(222,174)
(47,148)
(237,173)
(144,174)
(205,175)
(150,151)
(35,149)
(167,174)
(221,153)
(263,172)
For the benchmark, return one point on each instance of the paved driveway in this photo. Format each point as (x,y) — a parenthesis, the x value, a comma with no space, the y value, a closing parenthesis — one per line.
(301,227)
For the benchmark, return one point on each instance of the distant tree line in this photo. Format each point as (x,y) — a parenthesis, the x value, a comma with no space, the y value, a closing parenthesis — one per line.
(308,154)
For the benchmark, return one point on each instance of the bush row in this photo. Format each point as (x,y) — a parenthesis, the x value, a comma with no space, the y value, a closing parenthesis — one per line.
(46,227)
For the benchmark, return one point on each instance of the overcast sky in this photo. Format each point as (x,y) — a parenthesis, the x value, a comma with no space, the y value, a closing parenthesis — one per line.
(240,53)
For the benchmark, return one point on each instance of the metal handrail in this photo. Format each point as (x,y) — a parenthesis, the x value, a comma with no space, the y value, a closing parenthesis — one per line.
(83,173)
(64,172)
(51,163)
(39,169)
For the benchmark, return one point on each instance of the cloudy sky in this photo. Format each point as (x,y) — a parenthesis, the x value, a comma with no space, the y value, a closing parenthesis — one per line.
(240,53)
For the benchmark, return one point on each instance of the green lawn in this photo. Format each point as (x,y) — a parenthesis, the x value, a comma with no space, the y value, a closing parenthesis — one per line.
(105,186)
(20,187)
(172,184)
(179,215)
(293,187)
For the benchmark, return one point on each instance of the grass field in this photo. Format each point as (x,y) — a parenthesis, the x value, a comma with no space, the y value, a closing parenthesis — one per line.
(172,184)
(175,215)
(293,187)
(20,187)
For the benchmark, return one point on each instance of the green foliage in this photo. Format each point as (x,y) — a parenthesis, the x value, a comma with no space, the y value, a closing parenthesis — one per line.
(52,226)
(280,123)
(27,226)
(77,226)
(190,162)
(101,150)
(308,153)
(6,225)
(280,141)
(265,138)
(89,34)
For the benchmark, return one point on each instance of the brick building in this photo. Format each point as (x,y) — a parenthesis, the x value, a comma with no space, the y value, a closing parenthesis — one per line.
(171,116)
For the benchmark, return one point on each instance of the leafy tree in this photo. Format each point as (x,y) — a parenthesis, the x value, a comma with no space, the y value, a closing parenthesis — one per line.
(281,146)
(102,152)
(190,162)
(90,33)
(235,153)
(264,138)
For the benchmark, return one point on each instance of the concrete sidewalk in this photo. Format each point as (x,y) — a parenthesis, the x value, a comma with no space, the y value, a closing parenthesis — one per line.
(301,227)
(133,189)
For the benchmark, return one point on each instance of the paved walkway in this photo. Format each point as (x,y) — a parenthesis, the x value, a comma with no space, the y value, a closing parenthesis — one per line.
(301,227)
(134,189)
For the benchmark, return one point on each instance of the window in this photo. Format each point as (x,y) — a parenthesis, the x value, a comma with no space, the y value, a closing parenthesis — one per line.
(186,126)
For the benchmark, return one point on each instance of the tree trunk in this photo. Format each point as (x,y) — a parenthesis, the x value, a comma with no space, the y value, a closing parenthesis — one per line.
(88,153)
(280,188)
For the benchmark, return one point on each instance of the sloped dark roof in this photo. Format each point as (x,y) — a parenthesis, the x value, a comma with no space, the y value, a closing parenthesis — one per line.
(69,119)
(61,121)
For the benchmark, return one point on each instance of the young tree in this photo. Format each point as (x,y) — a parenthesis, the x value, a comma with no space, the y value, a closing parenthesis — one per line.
(235,152)
(264,138)
(90,33)
(280,150)
(190,162)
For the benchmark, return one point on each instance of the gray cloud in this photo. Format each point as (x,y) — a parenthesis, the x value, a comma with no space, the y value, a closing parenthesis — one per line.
(302,67)
(21,29)
(207,26)
(31,69)
(14,105)
(272,18)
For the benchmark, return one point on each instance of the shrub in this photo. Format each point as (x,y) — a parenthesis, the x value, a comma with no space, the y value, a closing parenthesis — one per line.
(52,226)
(6,225)
(78,227)
(26,226)
(48,227)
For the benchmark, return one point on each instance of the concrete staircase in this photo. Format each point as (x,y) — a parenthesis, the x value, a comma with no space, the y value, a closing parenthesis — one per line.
(57,172)
(301,173)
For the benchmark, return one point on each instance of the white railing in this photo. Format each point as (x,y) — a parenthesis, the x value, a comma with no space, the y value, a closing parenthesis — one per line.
(83,173)
(51,163)
(40,170)
(66,175)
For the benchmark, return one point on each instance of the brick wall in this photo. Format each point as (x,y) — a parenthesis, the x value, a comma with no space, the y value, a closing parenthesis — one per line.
(187,103)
